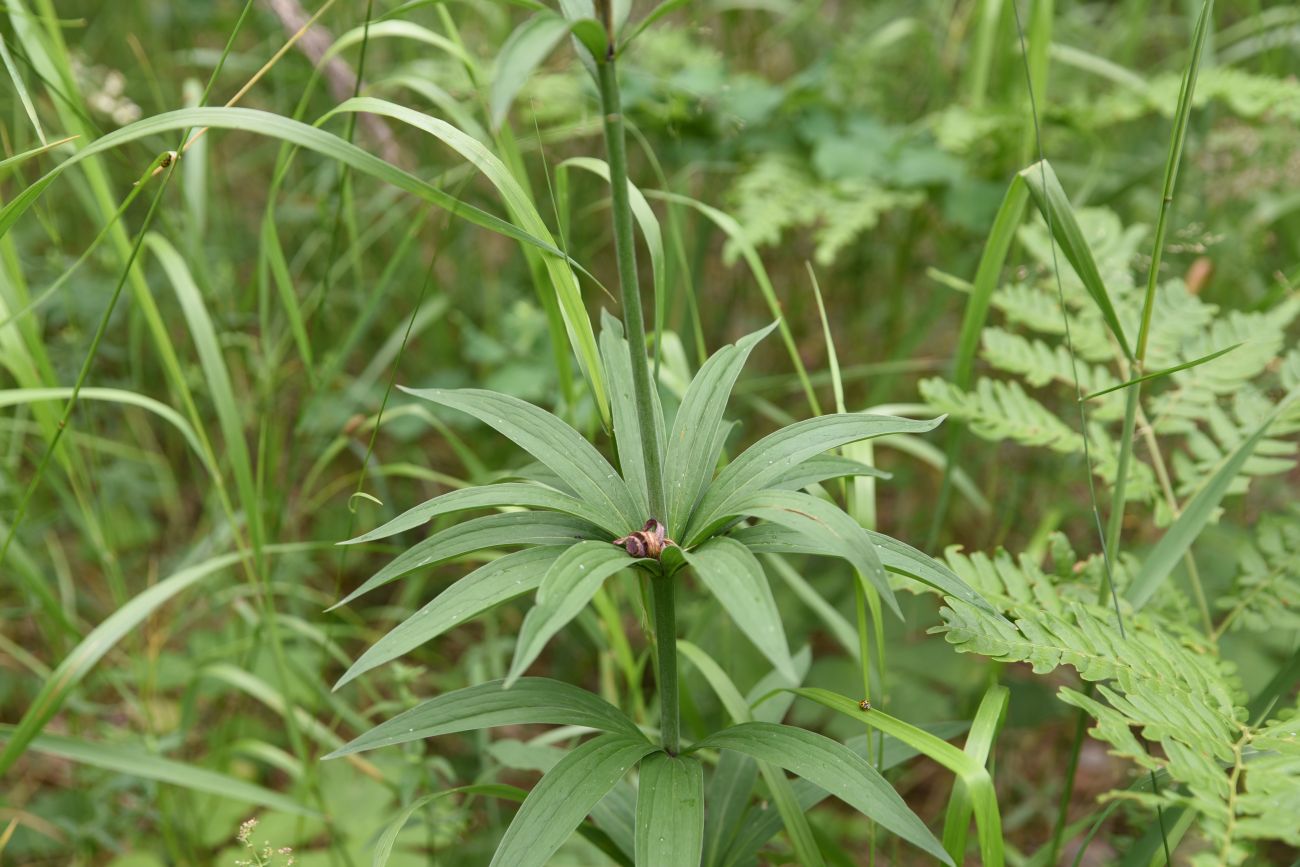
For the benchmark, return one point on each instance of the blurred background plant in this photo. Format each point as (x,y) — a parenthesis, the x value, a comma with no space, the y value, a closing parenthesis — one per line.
(236,328)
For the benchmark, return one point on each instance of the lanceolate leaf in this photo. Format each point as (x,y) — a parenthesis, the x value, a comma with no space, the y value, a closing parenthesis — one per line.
(835,768)
(507,530)
(736,578)
(691,454)
(523,51)
(138,763)
(564,796)
(567,587)
(487,497)
(486,587)
(1051,200)
(826,525)
(77,664)
(670,811)
(627,429)
(1184,531)
(549,440)
(769,459)
(530,700)
(897,557)
(823,468)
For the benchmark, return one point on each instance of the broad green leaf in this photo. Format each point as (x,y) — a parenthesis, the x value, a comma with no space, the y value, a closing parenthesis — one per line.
(730,788)
(1047,193)
(823,468)
(530,700)
(77,664)
(567,587)
(693,446)
(897,557)
(983,732)
(507,530)
(384,846)
(138,763)
(966,765)
(555,807)
(670,811)
(736,578)
(776,454)
(1178,539)
(503,579)
(523,51)
(738,708)
(614,352)
(488,497)
(826,525)
(552,442)
(833,767)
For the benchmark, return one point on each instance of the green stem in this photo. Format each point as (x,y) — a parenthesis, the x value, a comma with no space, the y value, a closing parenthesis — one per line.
(663,606)
(663,602)
(625,252)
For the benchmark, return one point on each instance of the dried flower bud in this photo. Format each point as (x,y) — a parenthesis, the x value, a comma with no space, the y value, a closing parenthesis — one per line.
(649,541)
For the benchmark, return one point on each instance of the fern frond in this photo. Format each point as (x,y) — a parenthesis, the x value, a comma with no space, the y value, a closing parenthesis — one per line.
(1265,594)
(1040,363)
(998,410)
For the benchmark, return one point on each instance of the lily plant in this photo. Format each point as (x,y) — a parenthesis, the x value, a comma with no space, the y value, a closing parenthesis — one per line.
(671,508)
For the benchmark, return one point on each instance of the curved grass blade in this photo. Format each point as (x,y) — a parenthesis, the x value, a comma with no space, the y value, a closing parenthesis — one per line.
(518,494)
(384,845)
(567,587)
(147,766)
(529,701)
(833,767)
(551,441)
(488,586)
(523,51)
(1157,374)
(566,794)
(1178,539)
(736,579)
(77,664)
(670,811)
(508,530)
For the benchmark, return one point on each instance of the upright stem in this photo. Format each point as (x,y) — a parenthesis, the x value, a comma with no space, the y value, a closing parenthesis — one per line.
(625,252)
(663,604)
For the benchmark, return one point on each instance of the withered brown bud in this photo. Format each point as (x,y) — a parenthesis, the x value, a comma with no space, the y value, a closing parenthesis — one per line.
(649,541)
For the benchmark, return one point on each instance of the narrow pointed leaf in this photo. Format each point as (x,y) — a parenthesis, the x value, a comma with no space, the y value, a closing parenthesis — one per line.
(567,587)
(384,846)
(487,497)
(1047,193)
(833,767)
(670,811)
(897,557)
(769,459)
(523,51)
(551,441)
(736,578)
(530,700)
(507,530)
(627,428)
(825,524)
(481,590)
(1178,539)
(693,446)
(1157,374)
(566,794)
(823,468)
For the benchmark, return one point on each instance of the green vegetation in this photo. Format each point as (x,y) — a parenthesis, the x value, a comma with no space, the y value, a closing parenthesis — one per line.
(502,433)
